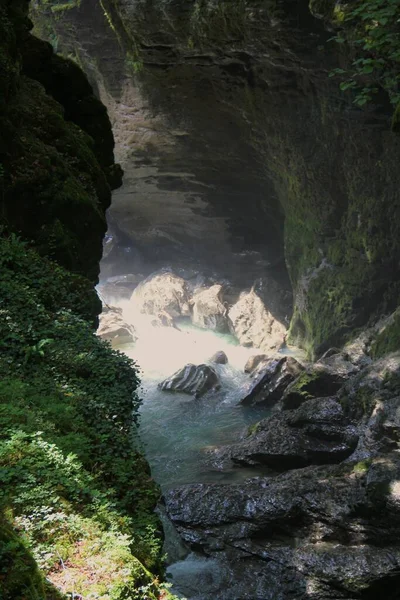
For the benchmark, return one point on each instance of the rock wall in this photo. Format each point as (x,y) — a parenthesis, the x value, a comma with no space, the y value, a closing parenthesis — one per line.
(56,149)
(226,110)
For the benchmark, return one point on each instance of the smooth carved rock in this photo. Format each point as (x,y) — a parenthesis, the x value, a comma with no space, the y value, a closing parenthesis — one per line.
(316,433)
(270,380)
(219,358)
(114,328)
(209,311)
(254,325)
(192,379)
(163,295)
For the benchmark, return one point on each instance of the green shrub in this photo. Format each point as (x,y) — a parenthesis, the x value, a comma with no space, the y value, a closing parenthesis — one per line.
(372,28)
(76,489)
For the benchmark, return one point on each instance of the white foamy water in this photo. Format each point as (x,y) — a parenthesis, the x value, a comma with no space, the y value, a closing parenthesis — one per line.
(176,429)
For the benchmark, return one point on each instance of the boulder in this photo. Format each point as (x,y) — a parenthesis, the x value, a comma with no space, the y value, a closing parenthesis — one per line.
(253,324)
(270,379)
(209,312)
(320,532)
(192,379)
(219,358)
(316,433)
(254,361)
(163,295)
(113,327)
(372,398)
(320,380)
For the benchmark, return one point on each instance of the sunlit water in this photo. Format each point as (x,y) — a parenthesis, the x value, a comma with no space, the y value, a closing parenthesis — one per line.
(176,428)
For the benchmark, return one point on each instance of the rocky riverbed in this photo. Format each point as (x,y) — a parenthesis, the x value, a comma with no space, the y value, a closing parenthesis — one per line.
(281,477)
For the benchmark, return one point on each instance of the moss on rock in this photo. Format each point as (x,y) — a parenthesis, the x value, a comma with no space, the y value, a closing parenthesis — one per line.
(55,170)
(388,338)
(20,578)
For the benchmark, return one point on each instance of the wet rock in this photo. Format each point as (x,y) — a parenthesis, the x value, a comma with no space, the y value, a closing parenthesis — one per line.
(316,433)
(209,312)
(192,379)
(339,363)
(219,358)
(319,380)
(319,532)
(113,327)
(118,287)
(253,324)
(318,410)
(372,398)
(270,379)
(163,295)
(254,361)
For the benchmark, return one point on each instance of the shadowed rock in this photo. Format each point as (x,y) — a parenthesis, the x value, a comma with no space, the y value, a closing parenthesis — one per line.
(270,379)
(219,358)
(320,380)
(317,433)
(192,379)
(338,553)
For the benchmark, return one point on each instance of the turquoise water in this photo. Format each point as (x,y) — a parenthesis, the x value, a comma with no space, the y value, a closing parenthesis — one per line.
(177,429)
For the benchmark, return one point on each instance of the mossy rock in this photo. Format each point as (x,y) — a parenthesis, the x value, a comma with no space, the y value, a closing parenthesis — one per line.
(56,149)
(388,339)
(322,9)
(20,578)
(396,120)
(312,383)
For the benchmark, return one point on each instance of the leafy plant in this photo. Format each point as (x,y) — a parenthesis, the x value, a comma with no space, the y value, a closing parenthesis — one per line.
(37,350)
(372,29)
(76,488)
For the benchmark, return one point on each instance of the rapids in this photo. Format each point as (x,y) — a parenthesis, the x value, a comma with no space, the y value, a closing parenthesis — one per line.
(176,429)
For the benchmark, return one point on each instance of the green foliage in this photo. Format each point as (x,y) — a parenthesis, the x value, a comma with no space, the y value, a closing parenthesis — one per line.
(372,28)
(76,489)
(19,576)
(362,467)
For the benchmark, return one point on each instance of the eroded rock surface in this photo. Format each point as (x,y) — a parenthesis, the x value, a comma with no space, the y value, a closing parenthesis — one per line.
(316,433)
(114,328)
(338,552)
(209,312)
(253,325)
(328,525)
(163,295)
(270,379)
(192,379)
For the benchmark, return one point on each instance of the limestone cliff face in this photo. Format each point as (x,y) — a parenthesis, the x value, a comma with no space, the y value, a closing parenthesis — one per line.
(226,110)
(56,149)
